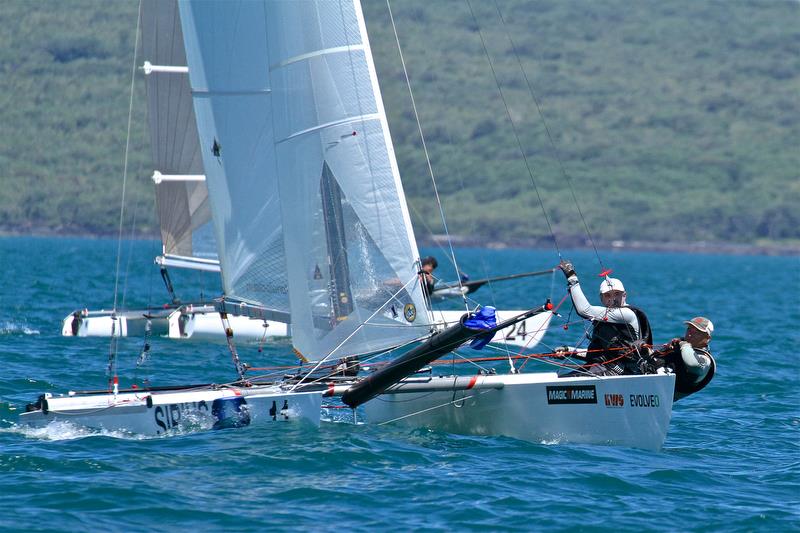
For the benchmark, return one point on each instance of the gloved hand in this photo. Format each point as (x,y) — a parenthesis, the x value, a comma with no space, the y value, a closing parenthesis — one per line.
(567,268)
(667,348)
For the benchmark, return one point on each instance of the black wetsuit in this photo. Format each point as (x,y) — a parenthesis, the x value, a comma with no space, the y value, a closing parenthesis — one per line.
(686,381)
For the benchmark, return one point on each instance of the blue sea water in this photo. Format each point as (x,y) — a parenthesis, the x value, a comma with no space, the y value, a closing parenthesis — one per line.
(731,460)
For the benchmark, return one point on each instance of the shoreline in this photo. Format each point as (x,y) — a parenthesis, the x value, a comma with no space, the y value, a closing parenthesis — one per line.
(722,248)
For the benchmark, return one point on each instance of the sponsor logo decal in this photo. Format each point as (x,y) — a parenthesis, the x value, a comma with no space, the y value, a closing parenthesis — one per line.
(644,400)
(615,400)
(410,312)
(169,416)
(231,412)
(571,394)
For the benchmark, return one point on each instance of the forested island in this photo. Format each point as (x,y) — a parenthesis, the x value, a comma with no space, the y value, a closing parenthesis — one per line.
(674,122)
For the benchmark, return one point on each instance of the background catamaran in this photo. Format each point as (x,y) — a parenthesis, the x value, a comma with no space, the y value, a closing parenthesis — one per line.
(180,191)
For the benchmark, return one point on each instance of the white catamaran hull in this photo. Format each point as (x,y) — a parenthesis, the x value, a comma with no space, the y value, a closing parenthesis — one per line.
(197,323)
(108,324)
(165,412)
(77,325)
(203,323)
(207,326)
(539,407)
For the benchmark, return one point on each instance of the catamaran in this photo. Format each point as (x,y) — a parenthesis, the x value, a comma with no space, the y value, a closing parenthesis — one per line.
(312,230)
(291,121)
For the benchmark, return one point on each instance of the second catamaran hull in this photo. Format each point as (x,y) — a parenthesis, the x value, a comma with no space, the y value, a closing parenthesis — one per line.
(176,411)
(121,324)
(205,325)
(630,411)
(198,324)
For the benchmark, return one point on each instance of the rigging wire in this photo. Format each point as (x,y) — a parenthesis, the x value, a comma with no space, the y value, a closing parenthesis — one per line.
(425,149)
(357,329)
(481,254)
(435,242)
(125,162)
(547,129)
(514,128)
(422,411)
(125,277)
(556,152)
(112,359)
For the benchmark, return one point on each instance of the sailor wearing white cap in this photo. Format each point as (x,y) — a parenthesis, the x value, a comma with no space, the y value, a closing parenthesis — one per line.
(618,328)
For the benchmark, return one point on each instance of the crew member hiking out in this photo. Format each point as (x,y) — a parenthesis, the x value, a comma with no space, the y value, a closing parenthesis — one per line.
(689,358)
(619,330)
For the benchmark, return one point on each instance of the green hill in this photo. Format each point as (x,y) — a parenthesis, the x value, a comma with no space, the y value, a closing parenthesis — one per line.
(674,121)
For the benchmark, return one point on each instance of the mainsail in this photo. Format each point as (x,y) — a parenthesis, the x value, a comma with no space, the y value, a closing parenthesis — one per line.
(303,181)
(181,195)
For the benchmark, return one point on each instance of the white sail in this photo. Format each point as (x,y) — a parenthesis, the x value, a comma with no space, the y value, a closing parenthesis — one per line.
(182,201)
(224,42)
(296,145)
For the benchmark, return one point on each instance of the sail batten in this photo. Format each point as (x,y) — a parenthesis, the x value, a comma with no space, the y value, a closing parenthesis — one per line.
(348,120)
(240,92)
(317,53)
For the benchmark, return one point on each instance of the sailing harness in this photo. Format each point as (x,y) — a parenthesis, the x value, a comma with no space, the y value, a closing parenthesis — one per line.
(608,338)
(684,384)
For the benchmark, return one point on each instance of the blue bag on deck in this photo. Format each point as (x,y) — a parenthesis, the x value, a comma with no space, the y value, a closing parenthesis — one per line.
(484,318)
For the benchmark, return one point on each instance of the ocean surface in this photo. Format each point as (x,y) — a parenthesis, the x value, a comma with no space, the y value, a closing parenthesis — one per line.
(731,460)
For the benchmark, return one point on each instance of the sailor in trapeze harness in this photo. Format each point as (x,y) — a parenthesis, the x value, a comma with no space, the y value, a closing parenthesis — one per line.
(620,333)
(688,358)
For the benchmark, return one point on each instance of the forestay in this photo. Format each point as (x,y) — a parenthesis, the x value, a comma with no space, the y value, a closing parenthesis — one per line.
(183,209)
(296,143)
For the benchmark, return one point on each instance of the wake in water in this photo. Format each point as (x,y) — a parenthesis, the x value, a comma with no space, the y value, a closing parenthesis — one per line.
(58,430)
(12,328)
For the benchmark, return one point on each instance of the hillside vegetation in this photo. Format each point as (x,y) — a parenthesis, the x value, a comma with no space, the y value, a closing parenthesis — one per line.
(672,121)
